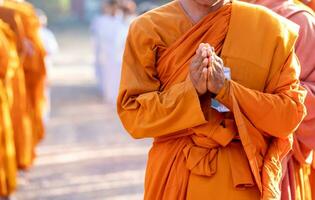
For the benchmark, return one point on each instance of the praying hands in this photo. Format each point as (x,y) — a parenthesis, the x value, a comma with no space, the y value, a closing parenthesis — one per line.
(207,70)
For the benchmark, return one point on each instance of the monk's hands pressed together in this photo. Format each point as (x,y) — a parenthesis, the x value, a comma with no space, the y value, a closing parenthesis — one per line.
(206,70)
(215,77)
(198,70)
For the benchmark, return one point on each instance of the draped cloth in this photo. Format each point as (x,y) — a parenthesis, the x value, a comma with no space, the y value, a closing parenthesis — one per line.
(8,168)
(296,183)
(34,66)
(157,100)
(16,87)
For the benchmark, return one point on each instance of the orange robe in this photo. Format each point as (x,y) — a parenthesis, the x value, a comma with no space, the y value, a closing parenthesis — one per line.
(199,153)
(296,182)
(20,117)
(7,151)
(311,4)
(34,66)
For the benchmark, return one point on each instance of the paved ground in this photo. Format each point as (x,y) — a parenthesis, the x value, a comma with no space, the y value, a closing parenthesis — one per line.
(86,153)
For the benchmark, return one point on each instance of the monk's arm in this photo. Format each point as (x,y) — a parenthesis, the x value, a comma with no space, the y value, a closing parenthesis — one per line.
(305,50)
(278,112)
(144,110)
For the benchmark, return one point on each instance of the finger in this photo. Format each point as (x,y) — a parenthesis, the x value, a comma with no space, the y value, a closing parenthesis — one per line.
(209,52)
(210,74)
(218,61)
(219,68)
(203,65)
(207,45)
(212,60)
(204,53)
(201,45)
(209,78)
(200,55)
(205,73)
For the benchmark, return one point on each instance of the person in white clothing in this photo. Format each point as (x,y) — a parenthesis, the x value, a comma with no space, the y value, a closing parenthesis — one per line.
(104,30)
(51,47)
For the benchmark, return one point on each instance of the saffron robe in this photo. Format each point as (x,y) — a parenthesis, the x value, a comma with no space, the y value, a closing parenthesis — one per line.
(196,149)
(296,182)
(7,151)
(34,66)
(16,84)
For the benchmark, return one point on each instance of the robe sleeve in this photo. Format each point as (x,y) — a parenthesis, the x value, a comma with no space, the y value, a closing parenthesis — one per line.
(305,51)
(279,109)
(144,110)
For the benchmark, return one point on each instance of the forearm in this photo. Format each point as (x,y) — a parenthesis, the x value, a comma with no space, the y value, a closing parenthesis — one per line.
(275,114)
(155,114)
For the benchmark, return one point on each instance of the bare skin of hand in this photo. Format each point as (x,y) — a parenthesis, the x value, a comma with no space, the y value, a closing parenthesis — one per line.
(198,70)
(215,77)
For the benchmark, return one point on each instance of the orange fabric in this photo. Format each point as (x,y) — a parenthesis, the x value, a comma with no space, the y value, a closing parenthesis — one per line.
(16,86)
(34,66)
(296,184)
(7,150)
(303,172)
(191,139)
(311,4)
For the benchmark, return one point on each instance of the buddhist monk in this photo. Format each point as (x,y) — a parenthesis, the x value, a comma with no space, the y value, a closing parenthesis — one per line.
(216,85)
(16,86)
(34,65)
(7,151)
(296,183)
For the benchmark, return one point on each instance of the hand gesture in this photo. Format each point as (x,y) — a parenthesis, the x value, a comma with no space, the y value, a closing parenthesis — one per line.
(198,70)
(216,77)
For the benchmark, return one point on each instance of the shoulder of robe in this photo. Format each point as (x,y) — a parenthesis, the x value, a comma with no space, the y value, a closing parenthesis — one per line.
(267,20)
(148,24)
(261,34)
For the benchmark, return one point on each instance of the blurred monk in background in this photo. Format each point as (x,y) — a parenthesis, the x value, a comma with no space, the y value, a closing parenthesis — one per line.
(8,63)
(20,117)
(34,65)
(22,83)
(216,84)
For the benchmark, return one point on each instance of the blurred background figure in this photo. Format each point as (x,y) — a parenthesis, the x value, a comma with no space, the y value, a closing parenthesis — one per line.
(51,46)
(109,31)
(146,6)
(105,28)
(128,9)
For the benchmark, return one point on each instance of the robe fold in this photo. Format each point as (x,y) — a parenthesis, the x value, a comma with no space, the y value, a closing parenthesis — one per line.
(7,150)
(299,165)
(16,86)
(34,66)
(199,153)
